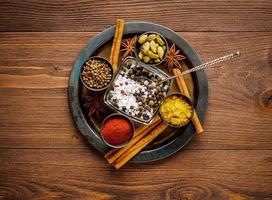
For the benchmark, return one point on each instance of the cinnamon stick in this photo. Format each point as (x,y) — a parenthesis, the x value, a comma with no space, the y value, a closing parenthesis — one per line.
(183,89)
(116,45)
(141,132)
(124,158)
(169,135)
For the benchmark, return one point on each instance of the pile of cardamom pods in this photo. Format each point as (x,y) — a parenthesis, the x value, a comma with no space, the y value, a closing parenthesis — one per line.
(152,48)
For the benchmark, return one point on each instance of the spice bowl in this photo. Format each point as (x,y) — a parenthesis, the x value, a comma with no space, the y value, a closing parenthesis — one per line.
(96,73)
(151,45)
(138,99)
(117,130)
(178,107)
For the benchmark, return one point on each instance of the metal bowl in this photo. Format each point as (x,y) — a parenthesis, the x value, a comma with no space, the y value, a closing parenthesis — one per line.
(122,116)
(137,47)
(184,98)
(112,75)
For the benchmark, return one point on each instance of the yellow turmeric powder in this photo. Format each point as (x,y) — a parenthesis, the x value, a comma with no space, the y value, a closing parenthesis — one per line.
(176,111)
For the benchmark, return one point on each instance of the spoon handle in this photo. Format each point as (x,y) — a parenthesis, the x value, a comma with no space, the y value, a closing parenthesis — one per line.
(212,63)
(207,64)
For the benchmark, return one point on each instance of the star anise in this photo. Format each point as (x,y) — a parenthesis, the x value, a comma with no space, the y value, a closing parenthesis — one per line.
(128,46)
(173,59)
(95,105)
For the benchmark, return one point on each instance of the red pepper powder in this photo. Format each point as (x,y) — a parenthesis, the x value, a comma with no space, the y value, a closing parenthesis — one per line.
(116,131)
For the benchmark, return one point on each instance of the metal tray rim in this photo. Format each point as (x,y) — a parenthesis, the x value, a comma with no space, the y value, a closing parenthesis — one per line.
(97,42)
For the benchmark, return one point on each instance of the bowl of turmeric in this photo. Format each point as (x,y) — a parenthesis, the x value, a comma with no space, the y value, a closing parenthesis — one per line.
(176,110)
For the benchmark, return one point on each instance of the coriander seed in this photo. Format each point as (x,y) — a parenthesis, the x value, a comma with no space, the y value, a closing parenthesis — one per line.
(96,73)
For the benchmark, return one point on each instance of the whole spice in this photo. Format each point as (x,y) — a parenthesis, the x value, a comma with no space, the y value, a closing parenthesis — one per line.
(135,149)
(152,48)
(183,89)
(116,45)
(128,46)
(176,111)
(173,58)
(139,98)
(96,73)
(116,131)
(95,105)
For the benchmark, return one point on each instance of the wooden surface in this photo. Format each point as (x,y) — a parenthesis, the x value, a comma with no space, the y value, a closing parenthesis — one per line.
(42,154)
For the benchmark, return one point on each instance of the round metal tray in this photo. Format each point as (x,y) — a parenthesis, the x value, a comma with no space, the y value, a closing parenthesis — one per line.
(200,91)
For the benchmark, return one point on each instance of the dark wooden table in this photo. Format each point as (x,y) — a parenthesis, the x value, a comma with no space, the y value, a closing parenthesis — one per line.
(42,154)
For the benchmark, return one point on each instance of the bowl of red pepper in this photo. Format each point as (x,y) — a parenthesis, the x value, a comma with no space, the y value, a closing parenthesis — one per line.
(117,130)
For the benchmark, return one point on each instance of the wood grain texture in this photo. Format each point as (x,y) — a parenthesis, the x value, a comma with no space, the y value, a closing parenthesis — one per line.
(42,154)
(81,15)
(35,84)
(191,174)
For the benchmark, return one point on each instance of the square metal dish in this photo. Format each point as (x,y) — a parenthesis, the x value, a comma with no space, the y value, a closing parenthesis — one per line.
(112,98)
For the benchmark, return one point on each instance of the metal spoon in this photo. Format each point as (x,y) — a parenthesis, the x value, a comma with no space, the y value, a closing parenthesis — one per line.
(204,65)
